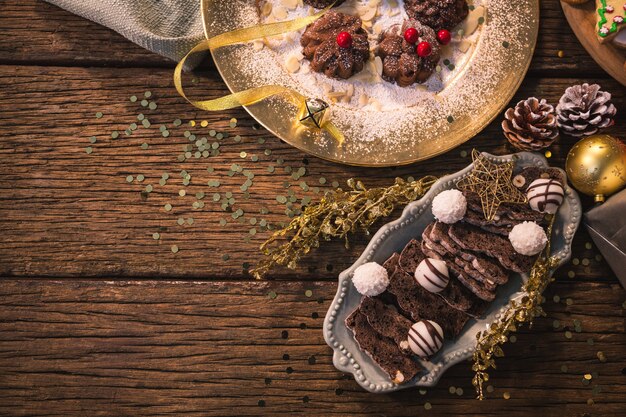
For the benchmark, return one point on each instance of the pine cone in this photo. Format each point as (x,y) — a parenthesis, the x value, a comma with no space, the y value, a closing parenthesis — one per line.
(584,110)
(531,125)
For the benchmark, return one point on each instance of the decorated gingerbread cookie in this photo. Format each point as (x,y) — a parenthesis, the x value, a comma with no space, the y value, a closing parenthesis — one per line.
(610,16)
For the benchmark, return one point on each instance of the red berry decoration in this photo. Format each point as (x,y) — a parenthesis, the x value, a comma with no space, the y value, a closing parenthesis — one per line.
(424,49)
(411,35)
(344,40)
(444,37)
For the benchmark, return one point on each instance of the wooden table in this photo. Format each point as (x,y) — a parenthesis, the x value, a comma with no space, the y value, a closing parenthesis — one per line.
(99,318)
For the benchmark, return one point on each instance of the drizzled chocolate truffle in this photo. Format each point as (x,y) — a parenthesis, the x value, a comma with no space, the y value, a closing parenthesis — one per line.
(320,4)
(334,55)
(438,14)
(401,62)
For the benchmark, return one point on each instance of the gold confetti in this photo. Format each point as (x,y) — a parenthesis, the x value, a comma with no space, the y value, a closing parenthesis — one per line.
(587,377)
(506,395)
(204,123)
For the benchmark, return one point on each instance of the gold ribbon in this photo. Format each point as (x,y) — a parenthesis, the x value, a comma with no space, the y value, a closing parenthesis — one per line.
(252,95)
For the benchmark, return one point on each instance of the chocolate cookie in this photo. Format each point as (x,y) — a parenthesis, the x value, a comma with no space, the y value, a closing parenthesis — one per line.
(438,14)
(320,4)
(322,47)
(401,63)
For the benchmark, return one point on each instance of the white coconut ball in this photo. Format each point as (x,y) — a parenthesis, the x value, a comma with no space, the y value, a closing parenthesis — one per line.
(528,238)
(370,279)
(449,206)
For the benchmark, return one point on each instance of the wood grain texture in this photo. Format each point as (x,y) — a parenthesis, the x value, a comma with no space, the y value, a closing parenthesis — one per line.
(34,32)
(582,19)
(157,348)
(66,213)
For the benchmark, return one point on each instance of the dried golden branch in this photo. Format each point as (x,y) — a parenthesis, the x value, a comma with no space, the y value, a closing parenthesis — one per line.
(338,214)
(489,342)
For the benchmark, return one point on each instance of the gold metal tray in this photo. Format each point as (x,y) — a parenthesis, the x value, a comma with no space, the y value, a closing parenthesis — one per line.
(476,94)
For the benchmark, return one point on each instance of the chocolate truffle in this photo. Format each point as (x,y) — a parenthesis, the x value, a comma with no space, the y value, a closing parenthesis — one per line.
(401,62)
(545,195)
(321,46)
(432,274)
(425,338)
(438,14)
(320,4)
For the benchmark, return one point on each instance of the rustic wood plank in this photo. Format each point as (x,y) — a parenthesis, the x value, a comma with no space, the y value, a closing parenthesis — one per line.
(32,31)
(164,347)
(66,213)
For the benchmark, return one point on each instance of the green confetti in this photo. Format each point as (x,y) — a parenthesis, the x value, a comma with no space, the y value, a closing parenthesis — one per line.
(140,177)
(133,99)
(152,105)
(129,178)
(89,150)
(272,295)
(115,134)
(92,139)
(99,115)
(308,293)
(177,122)
(144,103)
(144,146)
(156,236)
(168,207)
(174,249)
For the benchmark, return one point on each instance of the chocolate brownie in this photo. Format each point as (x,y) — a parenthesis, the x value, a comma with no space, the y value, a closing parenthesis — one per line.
(436,251)
(387,321)
(384,351)
(421,304)
(391,263)
(455,294)
(411,256)
(487,267)
(475,239)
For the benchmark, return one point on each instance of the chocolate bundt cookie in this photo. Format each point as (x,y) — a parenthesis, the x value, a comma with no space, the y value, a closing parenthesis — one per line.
(336,45)
(320,4)
(438,14)
(401,62)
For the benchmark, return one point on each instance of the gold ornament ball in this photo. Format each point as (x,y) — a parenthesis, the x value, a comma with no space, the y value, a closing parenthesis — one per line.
(596,166)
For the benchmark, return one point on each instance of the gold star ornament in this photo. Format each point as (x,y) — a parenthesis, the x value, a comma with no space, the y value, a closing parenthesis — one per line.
(493,184)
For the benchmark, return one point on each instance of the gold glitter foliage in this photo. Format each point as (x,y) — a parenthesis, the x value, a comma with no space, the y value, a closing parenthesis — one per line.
(338,214)
(492,182)
(518,313)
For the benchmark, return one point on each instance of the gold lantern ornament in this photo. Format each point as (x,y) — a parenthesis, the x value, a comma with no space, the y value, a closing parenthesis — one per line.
(596,166)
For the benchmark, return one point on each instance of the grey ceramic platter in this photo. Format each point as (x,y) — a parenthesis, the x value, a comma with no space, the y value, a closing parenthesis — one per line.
(392,237)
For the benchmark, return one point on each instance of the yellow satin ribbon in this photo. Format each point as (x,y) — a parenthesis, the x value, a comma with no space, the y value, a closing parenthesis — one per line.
(252,95)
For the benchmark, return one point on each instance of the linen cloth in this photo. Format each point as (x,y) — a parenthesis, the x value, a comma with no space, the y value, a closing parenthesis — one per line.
(168,27)
(607,226)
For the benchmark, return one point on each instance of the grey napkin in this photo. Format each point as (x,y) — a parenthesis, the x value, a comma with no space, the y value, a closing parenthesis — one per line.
(607,227)
(168,27)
